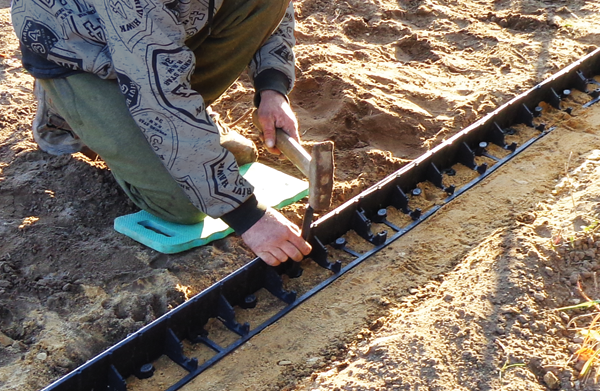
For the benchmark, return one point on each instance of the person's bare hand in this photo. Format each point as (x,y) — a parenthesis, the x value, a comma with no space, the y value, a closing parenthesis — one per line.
(275,239)
(274,112)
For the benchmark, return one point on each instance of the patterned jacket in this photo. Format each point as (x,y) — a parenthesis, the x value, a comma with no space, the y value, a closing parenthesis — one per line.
(141,44)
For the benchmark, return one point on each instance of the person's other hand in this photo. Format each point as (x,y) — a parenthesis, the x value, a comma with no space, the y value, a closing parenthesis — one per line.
(274,112)
(275,239)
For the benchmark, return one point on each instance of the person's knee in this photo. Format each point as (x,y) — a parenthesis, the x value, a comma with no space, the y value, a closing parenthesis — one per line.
(182,212)
(166,201)
(189,218)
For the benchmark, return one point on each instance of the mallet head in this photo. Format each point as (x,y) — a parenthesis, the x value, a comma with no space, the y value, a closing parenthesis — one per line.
(320,176)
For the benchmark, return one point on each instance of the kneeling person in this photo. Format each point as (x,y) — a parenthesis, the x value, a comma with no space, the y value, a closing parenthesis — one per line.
(132,81)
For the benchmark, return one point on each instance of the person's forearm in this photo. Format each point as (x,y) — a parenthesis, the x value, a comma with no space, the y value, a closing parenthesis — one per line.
(242,218)
(277,54)
(270,80)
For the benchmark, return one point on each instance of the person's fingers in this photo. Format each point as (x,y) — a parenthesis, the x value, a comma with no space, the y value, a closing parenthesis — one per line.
(298,242)
(278,253)
(286,120)
(268,128)
(268,134)
(261,121)
(268,258)
(292,251)
(289,125)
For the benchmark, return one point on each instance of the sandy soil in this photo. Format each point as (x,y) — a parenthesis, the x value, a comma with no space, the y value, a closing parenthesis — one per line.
(465,301)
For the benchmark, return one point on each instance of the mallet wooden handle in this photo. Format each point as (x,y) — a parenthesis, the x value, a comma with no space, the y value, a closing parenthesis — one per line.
(293,151)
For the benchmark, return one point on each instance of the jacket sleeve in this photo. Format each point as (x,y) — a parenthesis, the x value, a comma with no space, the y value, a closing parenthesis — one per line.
(154,68)
(273,65)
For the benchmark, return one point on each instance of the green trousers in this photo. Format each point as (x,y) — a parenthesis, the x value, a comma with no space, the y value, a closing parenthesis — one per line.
(96,110)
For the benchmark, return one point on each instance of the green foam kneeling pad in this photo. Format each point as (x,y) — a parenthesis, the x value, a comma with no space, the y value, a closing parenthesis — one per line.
(271,187)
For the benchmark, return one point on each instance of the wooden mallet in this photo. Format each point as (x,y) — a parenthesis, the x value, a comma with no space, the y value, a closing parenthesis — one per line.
(317,167)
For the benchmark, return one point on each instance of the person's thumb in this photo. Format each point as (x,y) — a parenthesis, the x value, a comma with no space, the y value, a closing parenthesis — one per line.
(266,126)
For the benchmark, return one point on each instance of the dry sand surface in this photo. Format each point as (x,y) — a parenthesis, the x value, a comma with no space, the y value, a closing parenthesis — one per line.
(466,301)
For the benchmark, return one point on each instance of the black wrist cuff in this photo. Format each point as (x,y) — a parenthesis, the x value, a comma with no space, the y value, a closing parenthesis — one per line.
(270,79)
(245,216)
